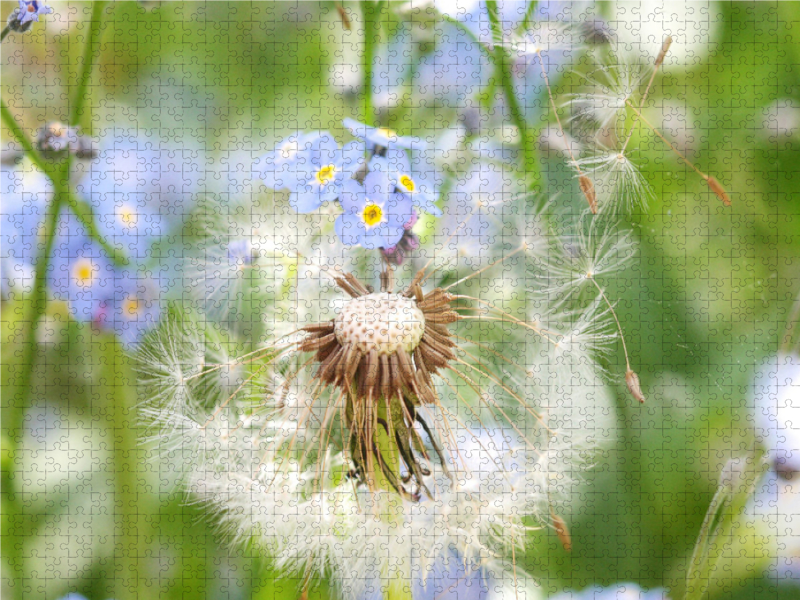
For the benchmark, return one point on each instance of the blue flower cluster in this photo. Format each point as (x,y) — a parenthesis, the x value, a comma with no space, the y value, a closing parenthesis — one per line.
(378,184)
(137,192)
(26,14)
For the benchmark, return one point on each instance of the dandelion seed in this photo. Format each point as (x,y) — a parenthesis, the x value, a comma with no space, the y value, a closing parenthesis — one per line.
(571,263)
(717,188)
(712,183)
(634,387)
(621,184)
(612,88)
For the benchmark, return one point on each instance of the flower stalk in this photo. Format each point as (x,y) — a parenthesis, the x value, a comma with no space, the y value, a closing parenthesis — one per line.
(89,56)
(502,65)
(399,582)
(58,172)
(371,12)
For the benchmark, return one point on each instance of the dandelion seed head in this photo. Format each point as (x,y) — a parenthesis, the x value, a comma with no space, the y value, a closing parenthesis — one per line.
(572,263)
(611,88)
(618,181)
(277,444)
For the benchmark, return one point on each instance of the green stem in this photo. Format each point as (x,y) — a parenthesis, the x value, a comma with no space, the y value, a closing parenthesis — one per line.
(502,65)
(371,12)
(118,398)
(526,20)
(6,31)
(82,210)
(22,392)
(469,33)
(88,62)
(398,582)
(24,140)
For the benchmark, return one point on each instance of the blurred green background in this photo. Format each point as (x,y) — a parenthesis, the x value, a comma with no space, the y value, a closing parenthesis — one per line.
(704,304)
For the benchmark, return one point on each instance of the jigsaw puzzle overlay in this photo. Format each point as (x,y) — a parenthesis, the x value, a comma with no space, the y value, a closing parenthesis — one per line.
(400,300)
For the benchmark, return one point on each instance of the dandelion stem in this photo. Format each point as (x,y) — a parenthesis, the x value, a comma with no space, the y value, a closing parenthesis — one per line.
(631,378)
(117,393)
(398,579)
(659,60)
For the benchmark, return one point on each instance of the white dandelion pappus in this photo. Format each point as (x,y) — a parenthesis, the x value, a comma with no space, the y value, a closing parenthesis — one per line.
(611,87)
(619,184)
(571,263)
(283,442)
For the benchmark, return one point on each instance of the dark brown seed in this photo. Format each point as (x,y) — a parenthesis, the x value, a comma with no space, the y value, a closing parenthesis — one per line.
(442,318)
(406,370)
(328,368)
(386,378)
(315,343)
(346,287)
(326,327)
(438,338)
(372,370)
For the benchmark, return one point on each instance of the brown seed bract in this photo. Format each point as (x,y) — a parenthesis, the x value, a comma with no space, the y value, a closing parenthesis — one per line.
(384,380)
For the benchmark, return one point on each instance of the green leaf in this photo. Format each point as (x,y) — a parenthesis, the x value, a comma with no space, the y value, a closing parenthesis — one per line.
(736,485)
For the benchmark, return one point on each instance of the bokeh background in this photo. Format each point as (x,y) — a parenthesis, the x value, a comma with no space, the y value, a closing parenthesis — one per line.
(212,86)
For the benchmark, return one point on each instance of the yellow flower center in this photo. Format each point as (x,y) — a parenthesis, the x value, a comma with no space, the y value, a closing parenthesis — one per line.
(83,272)
(131,307)
(389,133)
(372,215)
(325,175)
(408,183)
(128,216)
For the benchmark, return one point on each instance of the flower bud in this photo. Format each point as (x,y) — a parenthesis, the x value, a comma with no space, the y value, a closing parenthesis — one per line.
(22,18)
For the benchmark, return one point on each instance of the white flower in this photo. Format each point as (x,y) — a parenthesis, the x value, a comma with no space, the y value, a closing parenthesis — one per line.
(777,411)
